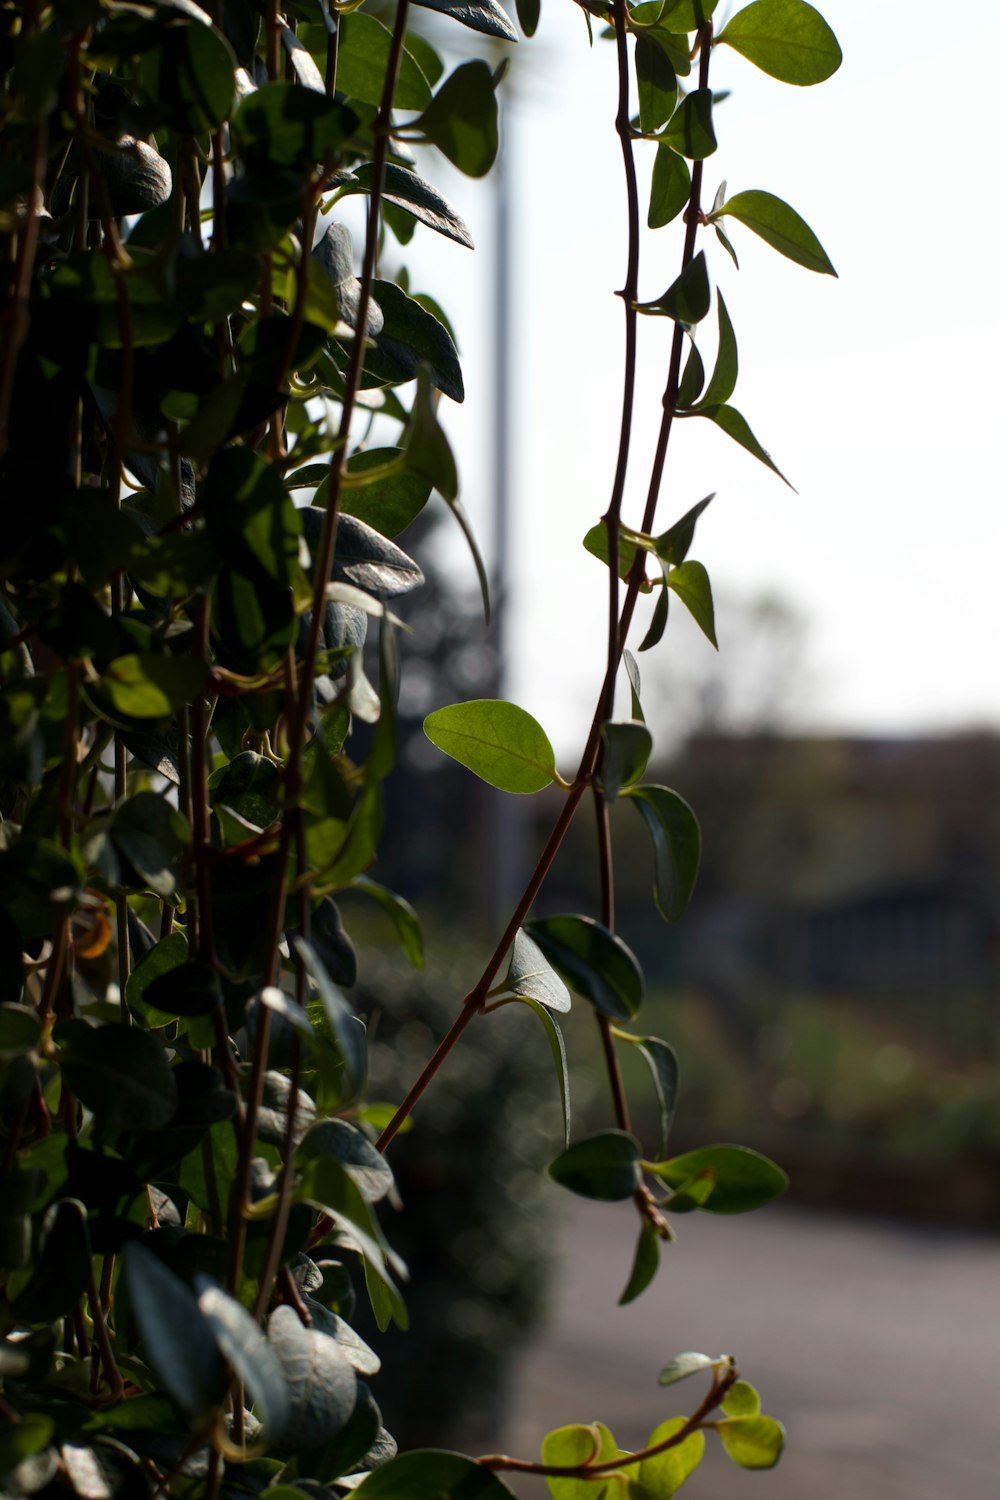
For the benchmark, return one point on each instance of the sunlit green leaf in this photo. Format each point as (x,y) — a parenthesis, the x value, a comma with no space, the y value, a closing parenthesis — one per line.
(567,1447)
(690,583)
(741,1400)
(786,38)
(498,741)
(777,223)
(752,1442)
(740,1179)
(664,1473)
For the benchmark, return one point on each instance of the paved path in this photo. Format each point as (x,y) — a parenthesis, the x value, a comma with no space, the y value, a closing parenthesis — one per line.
(877,1345)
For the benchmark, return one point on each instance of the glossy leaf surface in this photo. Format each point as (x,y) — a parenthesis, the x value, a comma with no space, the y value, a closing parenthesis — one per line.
(777,223)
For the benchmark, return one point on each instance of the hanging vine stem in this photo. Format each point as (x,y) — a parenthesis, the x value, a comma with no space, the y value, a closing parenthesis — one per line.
(722,1381)
(618,635)
(307,674)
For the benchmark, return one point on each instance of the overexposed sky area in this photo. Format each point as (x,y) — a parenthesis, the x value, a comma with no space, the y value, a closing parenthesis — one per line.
(875,393)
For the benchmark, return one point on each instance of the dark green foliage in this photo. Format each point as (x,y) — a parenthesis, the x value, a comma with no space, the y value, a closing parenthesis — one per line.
(218,413)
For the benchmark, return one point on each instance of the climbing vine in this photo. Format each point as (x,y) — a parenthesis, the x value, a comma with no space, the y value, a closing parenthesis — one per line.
(217,415)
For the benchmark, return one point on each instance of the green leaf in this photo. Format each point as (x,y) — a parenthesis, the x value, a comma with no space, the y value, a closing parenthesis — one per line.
(676,838)
(558,1049)
(189,989)
(147,686)
(644,1266)
(672,545)
(283,125)
(428,451)
(630,543)
(410,336)
(634,682)
(690,582)
(734,425)
(190,76)
(627,748)
(777,223)
(687,15)
(664,1473)
(530,976)
(723,381)
(431,1474)
(528,14)
(692,380)
(658,622)
(362,58)
(485,16)
(248,1352)
(410,192)
(461,119)
(498,741)
(605,1166)
(119,1072)
(594,962)
(785,38)
(687,301)
(567,1447)
(741,1400)
(176,1337)
(400,913)
(169,953)
(348,1033)
(726,244)
(741,1179)
(61,1271)
(690,132)
(656,82)
(392,498)
(752,1442)
(670,187)
(684,1365)
(351,1148)
(152,840)
(22,1439)
(662,1062)
(319,1380)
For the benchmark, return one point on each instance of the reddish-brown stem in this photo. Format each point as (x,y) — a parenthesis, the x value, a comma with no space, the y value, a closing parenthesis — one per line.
(720,1385)
(619,634)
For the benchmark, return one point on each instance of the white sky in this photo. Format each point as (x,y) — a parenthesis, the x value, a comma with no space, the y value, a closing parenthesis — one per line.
(876,393)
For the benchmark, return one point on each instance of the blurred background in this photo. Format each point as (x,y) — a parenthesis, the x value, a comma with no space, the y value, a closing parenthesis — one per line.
(832,993)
